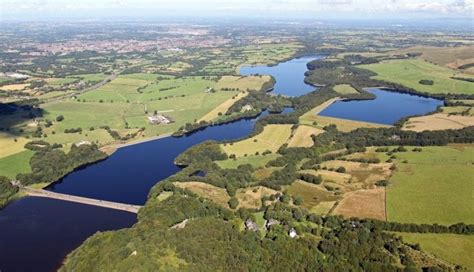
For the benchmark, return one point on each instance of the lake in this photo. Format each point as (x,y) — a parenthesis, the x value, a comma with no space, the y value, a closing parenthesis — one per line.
(387,108)
(129,173)
(289,75)
(36,233)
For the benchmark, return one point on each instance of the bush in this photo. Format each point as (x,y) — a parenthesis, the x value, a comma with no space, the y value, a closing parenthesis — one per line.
(426,82)
(233,203)
(298,201)
(341,170)
(59,118)
(382,183)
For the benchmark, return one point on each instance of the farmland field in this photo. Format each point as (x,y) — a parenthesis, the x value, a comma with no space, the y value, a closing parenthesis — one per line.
(120,106)
(433,186)
(9,146)
(216,194)
(311,194)
(438,121)
(302,136)
(15,164)
(271,138)
(240,84)
(363,204)
(453,248)
(251,198)
(345,89)
(447,56)
(255,160)
(410,72)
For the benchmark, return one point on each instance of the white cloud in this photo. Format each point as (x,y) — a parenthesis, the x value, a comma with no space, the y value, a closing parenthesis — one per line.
(251,7)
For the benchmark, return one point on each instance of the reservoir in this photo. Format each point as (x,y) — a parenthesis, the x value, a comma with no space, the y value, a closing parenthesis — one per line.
(289,75)
(37,233)
(129,173)
(387,108)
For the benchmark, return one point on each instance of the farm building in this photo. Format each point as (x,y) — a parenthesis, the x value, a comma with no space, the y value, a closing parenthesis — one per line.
(292,233)
(250,225)
(83,142)
(158,119)
(247,108)
(271,222)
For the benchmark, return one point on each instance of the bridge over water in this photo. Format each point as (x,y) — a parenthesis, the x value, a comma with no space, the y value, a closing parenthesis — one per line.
(82,200)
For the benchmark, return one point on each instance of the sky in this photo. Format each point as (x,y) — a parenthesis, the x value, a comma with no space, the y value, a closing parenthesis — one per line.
(10,9)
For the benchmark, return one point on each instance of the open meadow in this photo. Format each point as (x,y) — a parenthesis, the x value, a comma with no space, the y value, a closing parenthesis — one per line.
(271,138)
(438,121)
(363,204)
(452,57)
(302,136)
(409,72)
(453,248)
(345,89)
(433,186)
(257,161)
(125,103)
(311,194)
(17,163)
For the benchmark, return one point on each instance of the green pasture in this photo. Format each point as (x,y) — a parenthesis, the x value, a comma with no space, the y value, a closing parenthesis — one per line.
(454,248)
(409,72)
(433,186)
(257,161)
(14,164)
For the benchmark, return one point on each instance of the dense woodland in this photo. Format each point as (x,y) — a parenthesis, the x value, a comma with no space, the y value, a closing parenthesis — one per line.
(212,239)
(49,163)
(7,191)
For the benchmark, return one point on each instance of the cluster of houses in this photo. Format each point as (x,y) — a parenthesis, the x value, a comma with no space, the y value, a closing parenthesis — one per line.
(252,226)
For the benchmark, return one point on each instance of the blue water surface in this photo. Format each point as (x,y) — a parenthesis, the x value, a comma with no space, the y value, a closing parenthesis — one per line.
(37,233)
(289,75)
(129,173)
(387,108)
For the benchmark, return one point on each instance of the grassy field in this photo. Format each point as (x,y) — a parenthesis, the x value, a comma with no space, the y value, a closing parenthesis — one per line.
(438,121)
(124,104)
(410,72)
(8,145)
(447,56)
(57,82)
(311,194)
(345,89)
(215,194)
(269,53)
(363,204)
(119,104)
(256,161)
(228,61)
(434,186)
(361,172)
(302,136)
(458,110)
(222,108)
(15,87)
(271,138)
(14,164)
(250,198)
(242,84)
(453,248)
